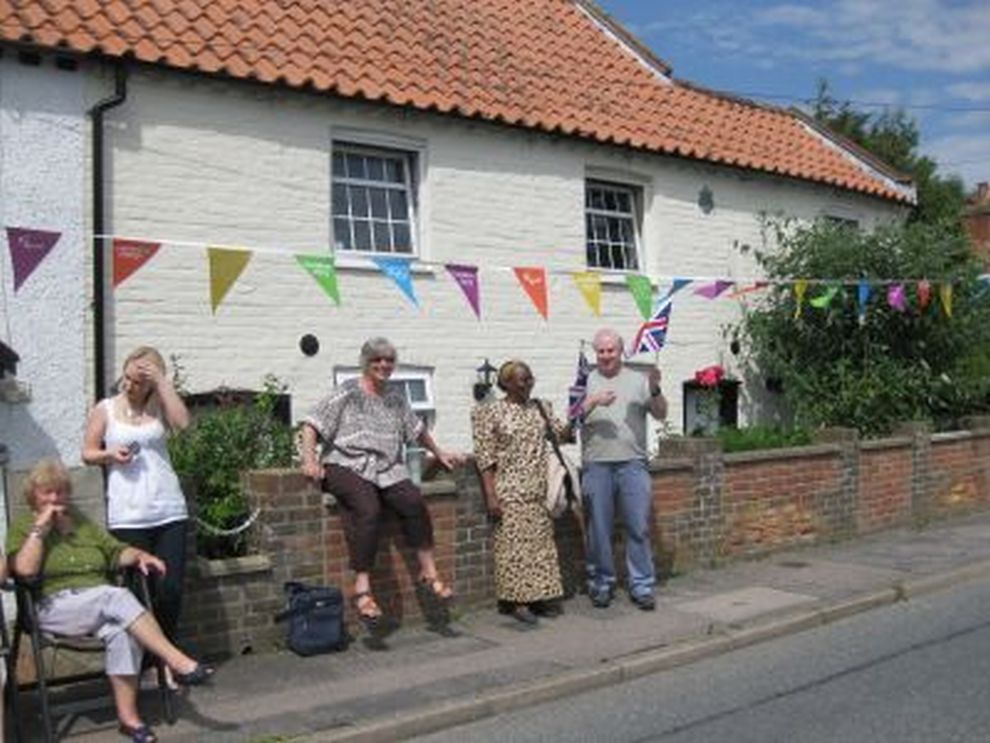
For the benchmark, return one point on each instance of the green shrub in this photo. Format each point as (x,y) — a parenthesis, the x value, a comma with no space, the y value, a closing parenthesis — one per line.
(836,370)
(761,437)
(210,455)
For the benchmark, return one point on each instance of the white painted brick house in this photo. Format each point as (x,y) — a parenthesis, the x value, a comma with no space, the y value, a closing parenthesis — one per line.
(207,149)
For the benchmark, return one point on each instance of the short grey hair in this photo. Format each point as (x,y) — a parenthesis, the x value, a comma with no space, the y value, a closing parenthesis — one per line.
(374,348)
(606,334)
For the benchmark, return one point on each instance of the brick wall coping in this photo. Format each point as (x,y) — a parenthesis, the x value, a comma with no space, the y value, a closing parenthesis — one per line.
(232,566)
(431,489)
(671,464)
(956,436)
(790,452)
(893,442)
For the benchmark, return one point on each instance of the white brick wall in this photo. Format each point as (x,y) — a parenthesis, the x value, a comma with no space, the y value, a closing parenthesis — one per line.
(198,163)
(42,185)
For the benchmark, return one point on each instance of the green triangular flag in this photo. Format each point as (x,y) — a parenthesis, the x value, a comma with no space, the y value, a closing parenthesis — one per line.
(824,299)
(322,268)
(642,291)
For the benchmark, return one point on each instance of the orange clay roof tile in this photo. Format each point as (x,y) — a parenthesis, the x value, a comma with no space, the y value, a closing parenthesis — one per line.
(541,64)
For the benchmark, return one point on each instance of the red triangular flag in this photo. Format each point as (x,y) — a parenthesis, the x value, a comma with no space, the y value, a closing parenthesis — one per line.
(129,256)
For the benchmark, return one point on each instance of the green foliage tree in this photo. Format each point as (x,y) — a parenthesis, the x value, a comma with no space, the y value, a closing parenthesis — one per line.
(893,137)
(895,366)
(210,455)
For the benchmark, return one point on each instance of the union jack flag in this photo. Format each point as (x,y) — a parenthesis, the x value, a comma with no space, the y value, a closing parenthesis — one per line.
(652,334)
(579,390)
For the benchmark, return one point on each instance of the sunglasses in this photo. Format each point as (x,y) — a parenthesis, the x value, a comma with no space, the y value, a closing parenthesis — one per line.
(379,359)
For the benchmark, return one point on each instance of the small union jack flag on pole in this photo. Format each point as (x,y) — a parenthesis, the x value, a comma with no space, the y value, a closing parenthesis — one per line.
(652,334)
(579,390)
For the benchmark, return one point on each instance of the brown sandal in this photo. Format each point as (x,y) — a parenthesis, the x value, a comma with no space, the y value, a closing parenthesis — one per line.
(368,611)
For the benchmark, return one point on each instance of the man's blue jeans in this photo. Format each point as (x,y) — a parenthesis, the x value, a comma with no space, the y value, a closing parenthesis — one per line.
(627,484)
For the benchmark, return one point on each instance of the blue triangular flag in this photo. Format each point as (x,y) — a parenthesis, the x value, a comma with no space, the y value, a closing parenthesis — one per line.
(397,269)
(863,294)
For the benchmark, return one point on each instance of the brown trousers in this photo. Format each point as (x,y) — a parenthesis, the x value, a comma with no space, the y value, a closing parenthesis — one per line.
(361,505)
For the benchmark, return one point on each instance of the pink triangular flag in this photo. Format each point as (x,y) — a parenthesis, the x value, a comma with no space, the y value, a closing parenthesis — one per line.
(896,298)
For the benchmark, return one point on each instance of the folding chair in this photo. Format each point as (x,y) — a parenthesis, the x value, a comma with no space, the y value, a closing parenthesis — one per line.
(28,596)
(11,720)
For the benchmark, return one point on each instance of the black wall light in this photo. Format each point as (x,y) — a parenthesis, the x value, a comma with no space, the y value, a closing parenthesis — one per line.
(483,385)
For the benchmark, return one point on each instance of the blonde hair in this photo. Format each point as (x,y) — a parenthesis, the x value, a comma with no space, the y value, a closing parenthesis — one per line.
(140,353)
(47,474)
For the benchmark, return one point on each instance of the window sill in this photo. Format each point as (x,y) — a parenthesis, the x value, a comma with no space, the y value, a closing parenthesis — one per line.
(615,277)
(364,262)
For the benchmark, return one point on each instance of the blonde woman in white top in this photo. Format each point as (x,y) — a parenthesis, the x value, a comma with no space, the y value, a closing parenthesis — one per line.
(127,434)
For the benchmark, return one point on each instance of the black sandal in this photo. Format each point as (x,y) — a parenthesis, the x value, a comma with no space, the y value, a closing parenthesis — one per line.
(138,734)
(435,589)
(369,613)
(196,677)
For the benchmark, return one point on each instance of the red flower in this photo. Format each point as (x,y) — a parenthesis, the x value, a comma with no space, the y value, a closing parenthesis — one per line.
(710,376)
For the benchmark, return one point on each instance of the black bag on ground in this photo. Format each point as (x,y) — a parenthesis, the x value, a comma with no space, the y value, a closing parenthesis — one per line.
(316,619)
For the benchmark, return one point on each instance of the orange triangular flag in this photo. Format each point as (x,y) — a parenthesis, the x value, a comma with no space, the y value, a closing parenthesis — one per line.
(129,256)
(534,282)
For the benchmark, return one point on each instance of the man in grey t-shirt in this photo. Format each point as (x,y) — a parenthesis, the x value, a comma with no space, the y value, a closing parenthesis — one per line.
(613,443)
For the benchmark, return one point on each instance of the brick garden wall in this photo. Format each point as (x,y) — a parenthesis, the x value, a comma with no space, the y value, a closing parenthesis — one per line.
(710,508)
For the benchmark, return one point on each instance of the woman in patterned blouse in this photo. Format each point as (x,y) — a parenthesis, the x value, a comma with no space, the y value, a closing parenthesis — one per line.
(363,425)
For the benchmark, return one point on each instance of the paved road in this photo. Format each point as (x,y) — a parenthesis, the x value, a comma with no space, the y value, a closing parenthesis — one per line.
(915,672)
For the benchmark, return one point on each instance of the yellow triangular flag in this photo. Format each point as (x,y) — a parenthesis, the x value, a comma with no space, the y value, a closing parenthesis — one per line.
(800,287)
(226,264)
(590,285)
(945,294)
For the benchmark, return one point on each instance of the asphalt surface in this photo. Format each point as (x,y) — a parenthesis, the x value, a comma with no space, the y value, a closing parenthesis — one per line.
(485,664)
(911,672)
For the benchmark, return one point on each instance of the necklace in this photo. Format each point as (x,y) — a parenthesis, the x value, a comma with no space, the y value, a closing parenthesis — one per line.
(130,413)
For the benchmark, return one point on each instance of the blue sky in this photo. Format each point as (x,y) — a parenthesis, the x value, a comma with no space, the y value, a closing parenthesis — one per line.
(930,57)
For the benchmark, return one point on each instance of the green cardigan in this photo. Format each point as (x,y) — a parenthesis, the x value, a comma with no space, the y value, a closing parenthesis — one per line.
(82,558)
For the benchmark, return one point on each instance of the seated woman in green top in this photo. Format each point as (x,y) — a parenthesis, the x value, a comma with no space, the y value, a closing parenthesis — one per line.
(73,556)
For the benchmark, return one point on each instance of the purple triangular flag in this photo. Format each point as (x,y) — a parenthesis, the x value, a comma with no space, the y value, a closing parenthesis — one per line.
(712,290)
(28,248)
(467,278)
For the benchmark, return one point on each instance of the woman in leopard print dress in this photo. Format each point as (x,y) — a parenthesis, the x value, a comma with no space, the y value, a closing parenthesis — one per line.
(511,452)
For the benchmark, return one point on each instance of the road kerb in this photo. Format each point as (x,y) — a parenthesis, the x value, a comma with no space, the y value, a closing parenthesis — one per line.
(570,682)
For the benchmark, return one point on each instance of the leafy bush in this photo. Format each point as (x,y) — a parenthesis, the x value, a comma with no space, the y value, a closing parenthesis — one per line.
(210,455)
(761,437)
(894,366)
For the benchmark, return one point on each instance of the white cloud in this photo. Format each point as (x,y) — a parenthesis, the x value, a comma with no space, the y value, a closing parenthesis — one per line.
(935,35)
(971,91)
(966,155)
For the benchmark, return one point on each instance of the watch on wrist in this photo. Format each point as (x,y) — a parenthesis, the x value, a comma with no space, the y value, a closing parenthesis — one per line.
(656,393)
(36,531)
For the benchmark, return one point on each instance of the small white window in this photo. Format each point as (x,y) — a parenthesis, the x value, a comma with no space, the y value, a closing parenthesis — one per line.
(414,382)
(373,199)
(612,225)
(847,222)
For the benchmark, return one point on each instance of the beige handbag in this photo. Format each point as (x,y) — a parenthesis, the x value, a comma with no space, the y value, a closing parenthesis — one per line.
(563,481)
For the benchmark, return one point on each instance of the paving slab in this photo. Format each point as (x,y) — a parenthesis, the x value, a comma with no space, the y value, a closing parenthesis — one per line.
(487,662)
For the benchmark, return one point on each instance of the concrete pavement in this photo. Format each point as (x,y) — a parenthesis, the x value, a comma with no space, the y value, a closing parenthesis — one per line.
(484,663)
